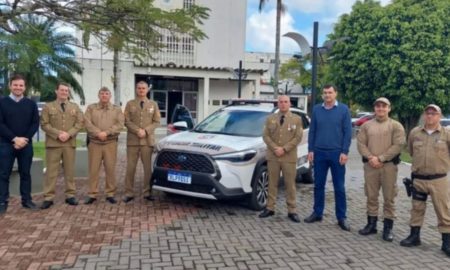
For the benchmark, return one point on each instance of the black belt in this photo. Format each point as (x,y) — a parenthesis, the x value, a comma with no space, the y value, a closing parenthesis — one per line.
(428,177)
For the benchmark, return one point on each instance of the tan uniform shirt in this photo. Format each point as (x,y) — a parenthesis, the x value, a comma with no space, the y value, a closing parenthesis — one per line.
(107,119)
(147,118)
(430,153)
(287,136)
(54,120)
(383,139)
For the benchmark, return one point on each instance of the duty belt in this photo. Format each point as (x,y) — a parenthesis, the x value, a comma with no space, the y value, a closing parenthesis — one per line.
(428,177)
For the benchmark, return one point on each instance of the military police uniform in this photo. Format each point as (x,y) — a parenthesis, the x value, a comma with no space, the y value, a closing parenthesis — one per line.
(282,131)
(57,117)
(382,138)
(103,118)
(430,164)
(140,114)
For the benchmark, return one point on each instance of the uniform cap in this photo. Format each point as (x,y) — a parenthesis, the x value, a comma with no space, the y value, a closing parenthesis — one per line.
(383,100)
(434,107)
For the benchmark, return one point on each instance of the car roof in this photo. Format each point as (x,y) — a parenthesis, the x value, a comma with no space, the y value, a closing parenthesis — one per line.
(264,105)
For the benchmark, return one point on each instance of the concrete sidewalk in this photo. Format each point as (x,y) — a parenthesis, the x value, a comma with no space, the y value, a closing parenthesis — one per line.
(175,232)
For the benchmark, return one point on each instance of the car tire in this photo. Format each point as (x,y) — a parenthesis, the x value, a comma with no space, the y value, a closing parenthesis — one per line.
(307,177)
(260,189)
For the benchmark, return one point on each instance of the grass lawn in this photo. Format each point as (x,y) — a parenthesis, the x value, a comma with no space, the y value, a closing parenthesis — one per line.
(405,156)
(39,149)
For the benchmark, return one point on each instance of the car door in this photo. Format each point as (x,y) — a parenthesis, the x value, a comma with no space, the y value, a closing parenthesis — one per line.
(180,114)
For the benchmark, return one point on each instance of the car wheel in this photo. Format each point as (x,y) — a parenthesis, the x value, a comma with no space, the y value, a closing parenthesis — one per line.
(307,177)
(260,189)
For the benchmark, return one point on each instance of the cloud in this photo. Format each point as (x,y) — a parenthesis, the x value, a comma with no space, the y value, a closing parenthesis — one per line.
(261,32)
(261,26)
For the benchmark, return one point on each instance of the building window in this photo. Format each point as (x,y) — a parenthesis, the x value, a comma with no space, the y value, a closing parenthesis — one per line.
(272,61)
(187,45)
(261,60)
(172,44)
(225,102)
(187,4)
(216,102)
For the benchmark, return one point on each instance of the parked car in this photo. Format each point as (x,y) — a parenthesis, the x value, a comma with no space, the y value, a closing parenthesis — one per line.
(40,106)
(445,122)
(223,157)
(181,120)
(363,119)
(359,115)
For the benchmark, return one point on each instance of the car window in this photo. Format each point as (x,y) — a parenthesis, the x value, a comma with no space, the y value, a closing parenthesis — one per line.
(234,122)
(305,120)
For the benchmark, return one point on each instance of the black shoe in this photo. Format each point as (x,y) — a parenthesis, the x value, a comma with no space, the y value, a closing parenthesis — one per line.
(312,218)
(46,204)
(29,204)
(111,200)
(266,213)
(446,243)
(149,198)
(371,227)
(294,217)
(387,230)
(344,225)
(3,208)
(90,200)
(72,201)
(413,239)
(127,199)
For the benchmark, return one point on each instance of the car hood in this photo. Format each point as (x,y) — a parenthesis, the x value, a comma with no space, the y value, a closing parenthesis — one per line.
(212,144)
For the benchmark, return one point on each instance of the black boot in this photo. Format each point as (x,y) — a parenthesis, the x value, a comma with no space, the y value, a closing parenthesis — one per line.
(413,239)
(387,230)
(446,243)
(371,227)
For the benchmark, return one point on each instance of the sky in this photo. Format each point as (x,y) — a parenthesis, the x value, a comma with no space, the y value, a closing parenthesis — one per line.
(300,17)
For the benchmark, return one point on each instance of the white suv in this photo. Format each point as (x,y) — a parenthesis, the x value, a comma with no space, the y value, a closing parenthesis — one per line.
(223,157)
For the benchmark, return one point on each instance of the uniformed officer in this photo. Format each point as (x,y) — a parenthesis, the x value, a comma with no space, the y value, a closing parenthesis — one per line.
(61,120)
(283,131)
(380,142)
(142,116)
(429,147)
(103,122)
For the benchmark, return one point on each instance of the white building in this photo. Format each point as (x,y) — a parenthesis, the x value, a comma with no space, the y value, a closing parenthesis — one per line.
(197,75)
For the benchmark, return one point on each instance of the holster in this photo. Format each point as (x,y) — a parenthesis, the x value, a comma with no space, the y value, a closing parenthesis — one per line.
(408,186)
(416,195)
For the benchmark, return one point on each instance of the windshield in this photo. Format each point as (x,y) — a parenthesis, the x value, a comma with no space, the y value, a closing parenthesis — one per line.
(235,122)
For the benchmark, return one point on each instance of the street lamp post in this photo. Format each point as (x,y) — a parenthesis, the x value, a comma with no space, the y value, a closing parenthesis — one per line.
(306,49)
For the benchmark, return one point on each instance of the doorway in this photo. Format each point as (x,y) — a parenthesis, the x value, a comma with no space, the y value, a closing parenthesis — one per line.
(174,98)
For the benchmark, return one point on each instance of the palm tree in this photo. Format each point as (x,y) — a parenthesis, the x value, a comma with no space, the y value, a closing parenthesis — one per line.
(41,53)
(280,10)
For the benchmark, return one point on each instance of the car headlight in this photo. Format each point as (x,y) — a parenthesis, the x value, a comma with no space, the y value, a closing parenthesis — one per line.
(157,148)
(237,156)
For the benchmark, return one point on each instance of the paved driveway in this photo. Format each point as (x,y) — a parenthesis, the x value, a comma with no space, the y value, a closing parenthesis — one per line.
(176,232)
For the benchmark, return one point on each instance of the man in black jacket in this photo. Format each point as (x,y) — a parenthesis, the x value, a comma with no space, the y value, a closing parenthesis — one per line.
(19,121)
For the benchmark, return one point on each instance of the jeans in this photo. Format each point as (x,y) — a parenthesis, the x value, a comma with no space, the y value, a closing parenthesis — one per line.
(24,159)
(324,160)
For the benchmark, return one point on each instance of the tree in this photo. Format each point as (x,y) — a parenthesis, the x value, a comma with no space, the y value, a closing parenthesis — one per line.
(41,53)
(400,51)
(280,10)
(299,70)
(132,26)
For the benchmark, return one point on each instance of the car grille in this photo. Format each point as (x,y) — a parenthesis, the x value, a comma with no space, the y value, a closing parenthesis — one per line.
(185,162)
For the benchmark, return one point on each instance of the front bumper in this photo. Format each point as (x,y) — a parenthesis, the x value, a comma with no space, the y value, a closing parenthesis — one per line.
(202,186)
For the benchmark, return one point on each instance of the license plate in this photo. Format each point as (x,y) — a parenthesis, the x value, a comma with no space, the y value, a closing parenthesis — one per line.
(179,177)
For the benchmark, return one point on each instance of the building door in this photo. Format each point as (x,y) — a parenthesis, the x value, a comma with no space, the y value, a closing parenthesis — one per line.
(190,102)
(174,98)
(160,97)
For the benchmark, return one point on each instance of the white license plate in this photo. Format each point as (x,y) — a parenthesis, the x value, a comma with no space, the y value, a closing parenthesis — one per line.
(179,177)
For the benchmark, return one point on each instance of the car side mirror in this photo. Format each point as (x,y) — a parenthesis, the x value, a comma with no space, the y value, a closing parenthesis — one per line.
(181,125)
